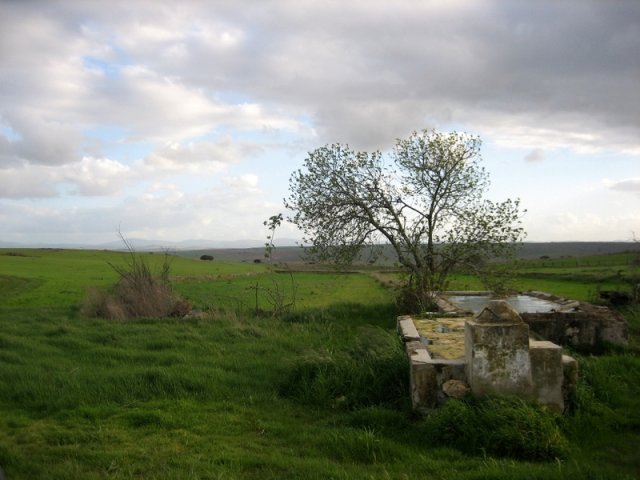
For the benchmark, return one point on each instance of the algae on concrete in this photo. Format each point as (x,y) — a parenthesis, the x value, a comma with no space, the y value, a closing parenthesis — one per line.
(445,336)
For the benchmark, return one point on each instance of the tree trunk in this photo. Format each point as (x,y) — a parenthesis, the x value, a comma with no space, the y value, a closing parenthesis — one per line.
(423,291)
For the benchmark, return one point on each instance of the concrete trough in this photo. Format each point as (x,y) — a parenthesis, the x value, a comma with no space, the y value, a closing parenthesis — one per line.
(498,350)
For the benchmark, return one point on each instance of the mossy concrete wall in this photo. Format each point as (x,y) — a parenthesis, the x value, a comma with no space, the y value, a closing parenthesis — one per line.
(586,328)
(427,374)
(547,373)
(499,358)
(497,352)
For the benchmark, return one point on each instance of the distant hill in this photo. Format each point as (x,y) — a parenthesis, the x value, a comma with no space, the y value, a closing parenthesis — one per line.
(142,244)
(574,249)
(280,254)
(528,250)
(250,250)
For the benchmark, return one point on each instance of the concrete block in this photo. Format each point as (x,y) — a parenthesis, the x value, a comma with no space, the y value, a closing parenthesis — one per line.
(424,386)
(497,352)
(547,373)
(407,329)
(570,378)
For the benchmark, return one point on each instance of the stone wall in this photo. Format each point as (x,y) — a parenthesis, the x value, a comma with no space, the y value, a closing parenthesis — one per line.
(586,328)
(580,325)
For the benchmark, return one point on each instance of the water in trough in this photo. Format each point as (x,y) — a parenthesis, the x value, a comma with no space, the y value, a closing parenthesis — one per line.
(521,303)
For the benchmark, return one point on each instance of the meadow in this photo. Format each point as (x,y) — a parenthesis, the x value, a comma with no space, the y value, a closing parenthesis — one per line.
(318,392)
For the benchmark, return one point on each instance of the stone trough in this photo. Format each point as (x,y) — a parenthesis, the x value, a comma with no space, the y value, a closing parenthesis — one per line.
(484,346)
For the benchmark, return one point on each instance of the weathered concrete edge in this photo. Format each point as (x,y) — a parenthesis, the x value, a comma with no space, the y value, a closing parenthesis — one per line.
(425,372)
(407,329)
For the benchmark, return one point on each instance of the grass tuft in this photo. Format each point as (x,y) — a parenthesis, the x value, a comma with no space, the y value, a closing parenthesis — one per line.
(138,293)
(362,445)
(499,426)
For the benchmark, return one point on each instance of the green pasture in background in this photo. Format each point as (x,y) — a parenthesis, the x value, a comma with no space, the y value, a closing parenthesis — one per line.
(62,277)
(321,392)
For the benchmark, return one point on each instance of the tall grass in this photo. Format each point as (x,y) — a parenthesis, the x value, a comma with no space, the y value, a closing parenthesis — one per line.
(320,393)
(371,373)
(313,290)
(499,426)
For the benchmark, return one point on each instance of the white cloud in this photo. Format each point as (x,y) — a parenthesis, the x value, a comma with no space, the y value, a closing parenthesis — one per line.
(163,211)
(357,72)
(199,158)
(568,226)
(100,176)
(630,185)
(30,183)
(87,177)
(97,176)
(56,94)
(535,155)
(246,181)
(215,88)
(580,134)
(41,139)
(159,192)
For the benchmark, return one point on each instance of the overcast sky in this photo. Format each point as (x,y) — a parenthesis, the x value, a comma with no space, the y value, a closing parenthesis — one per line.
(184,120)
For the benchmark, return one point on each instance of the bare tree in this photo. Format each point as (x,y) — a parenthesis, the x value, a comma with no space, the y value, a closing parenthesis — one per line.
(425,199)
(281,299)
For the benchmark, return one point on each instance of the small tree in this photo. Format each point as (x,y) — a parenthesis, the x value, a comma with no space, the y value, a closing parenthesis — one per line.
(425,200)
(281,299)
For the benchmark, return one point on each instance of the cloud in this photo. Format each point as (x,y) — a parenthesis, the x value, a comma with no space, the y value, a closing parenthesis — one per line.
(163,211)
(97,176)
(246,181)
(215,88)
(535,155)
(39,140)
(96,74)
(571,226)
(209,156)
(87,177)
(630,185)
(509,69)
(34,183)
(102,176)
(357,72)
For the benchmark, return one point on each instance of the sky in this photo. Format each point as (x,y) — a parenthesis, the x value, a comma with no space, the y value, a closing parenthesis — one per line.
(173,120)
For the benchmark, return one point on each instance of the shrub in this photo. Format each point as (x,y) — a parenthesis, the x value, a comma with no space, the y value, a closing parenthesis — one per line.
(102,304)
(206,257)
(500,426)
(409,300)
(139,292)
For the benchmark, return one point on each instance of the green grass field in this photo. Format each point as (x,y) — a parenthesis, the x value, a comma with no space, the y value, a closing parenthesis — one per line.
(318,393)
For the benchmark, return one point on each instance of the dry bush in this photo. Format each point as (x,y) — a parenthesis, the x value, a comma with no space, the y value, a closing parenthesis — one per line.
(139,292)
(144,297)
